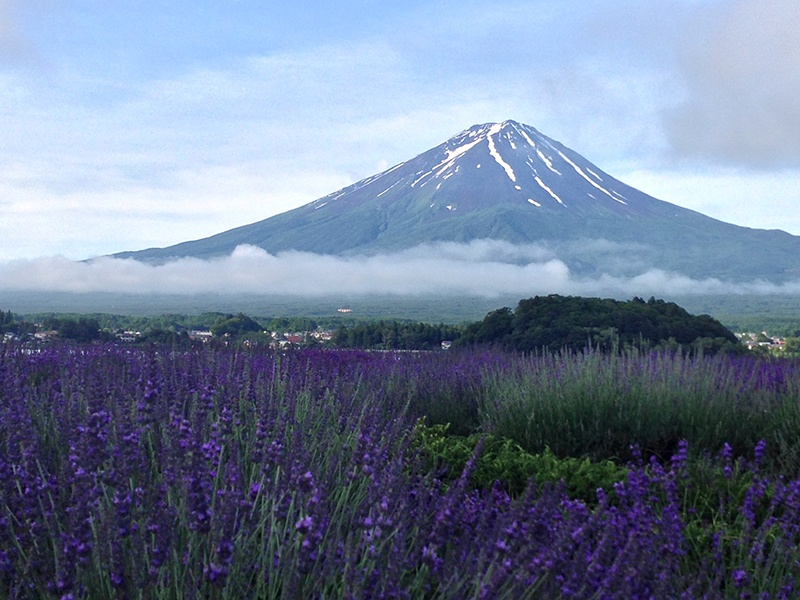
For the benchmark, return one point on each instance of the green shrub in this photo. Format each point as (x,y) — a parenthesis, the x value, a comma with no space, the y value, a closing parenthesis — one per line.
(505,461)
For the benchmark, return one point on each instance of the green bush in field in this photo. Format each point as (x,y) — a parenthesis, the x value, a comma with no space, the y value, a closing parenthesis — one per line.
(505,461)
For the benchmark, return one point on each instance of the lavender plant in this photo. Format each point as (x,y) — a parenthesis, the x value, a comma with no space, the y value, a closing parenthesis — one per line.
(231,473)
(598,405)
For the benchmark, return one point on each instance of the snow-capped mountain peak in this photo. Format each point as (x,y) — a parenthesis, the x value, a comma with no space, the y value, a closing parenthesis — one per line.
(507,181)
(530,169)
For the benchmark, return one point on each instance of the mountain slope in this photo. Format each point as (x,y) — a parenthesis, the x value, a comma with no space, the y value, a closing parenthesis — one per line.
(506,181)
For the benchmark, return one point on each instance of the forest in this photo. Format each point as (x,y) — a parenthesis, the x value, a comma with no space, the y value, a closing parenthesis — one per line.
(549,322)
(555,322)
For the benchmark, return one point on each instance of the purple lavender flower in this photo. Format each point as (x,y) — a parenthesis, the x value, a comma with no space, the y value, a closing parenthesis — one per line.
(759,453)
(740,578)
(304,525)
(726,456)
(680,460)
(216,574)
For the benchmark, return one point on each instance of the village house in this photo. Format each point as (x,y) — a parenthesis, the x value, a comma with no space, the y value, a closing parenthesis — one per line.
(128,337)
(200,334)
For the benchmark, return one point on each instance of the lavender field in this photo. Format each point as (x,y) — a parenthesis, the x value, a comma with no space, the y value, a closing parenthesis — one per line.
(243,473)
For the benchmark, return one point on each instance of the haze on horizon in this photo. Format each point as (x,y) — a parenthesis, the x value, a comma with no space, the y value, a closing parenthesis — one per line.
(482,268)
(133,125)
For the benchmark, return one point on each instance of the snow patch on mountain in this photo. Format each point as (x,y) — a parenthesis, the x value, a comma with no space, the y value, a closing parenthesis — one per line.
(586,177)
(547,162)
(595,174)
(387,189)
(421,178)
(496,155)
(548,190)
(535,146)
(449,161)
(453,154)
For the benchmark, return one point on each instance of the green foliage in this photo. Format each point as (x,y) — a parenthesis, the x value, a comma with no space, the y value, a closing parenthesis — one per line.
(80,330)
(792,347)
(497,326)
(555,322)
(284,324)
(9,324)
(392,335)
(234,326)
(573,323)
(709,495)
(168,322)
(157,335)
(502,460)
(6,319)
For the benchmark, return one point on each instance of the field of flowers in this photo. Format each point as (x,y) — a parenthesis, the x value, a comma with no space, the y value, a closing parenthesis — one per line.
(242,473)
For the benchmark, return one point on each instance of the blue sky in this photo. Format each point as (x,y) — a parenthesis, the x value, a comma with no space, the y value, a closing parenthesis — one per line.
(125,125)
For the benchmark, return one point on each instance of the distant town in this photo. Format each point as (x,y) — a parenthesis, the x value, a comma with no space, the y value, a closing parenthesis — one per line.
(760,342)
(500,328)
(763,340)
(287,339)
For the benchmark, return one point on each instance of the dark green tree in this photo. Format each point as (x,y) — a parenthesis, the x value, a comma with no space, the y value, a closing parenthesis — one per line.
(80,330)
(234,326)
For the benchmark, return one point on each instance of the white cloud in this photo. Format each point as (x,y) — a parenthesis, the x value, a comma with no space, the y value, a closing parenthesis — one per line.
(477,269)
(742,70)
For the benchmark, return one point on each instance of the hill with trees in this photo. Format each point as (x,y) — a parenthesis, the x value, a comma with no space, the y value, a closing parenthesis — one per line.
(555,322)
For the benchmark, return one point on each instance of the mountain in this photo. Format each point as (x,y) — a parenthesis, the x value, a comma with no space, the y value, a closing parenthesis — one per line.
(506,181)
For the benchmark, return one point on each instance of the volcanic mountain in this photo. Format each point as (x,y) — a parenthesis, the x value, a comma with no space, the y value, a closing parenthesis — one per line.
(506,181)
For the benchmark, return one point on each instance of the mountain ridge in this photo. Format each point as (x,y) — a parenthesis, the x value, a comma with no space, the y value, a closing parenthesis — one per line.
(507,181)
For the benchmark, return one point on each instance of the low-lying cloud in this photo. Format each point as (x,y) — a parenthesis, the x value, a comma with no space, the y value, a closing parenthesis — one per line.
(483,268)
